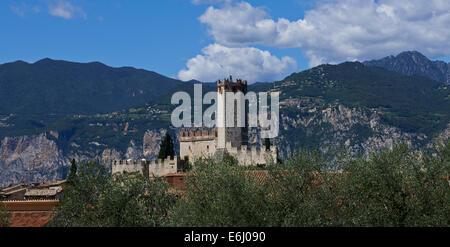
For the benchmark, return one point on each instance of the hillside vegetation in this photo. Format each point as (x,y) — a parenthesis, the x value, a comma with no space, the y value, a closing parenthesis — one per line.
(51,87)
(411,103)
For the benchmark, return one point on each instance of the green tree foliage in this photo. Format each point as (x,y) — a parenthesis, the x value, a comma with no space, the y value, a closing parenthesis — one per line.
(136,201)
(187,164)
(267,143)
(100,199)
(78,207)
(72,177)
(303,189)
(398,187)
(4,217)
(220,193)
(166,148)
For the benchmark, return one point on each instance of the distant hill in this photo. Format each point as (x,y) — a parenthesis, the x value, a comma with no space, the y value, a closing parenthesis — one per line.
(414,63)
(60,87)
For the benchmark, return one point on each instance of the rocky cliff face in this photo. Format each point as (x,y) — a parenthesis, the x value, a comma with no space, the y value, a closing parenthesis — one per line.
(31,159)
(333,126)
(37,158)
(151,141)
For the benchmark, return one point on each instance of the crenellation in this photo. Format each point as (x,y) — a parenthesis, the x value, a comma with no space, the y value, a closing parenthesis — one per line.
(200,135)
(157,167)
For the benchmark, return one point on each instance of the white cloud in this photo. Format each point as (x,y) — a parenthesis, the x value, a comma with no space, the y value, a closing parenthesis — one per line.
(238,24)
(22,9)
(338,31)
(252,64)
(65,9)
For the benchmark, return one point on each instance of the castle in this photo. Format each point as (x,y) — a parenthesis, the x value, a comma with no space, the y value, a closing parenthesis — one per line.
(207,143)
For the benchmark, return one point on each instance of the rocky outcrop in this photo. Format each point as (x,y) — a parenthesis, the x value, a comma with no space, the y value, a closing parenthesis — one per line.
(110,154)
(442,137)
(149,149)
(151,141)
(31,159)
(334,126)
(37,158)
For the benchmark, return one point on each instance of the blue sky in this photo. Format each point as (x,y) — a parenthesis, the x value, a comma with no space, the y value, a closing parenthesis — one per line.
(154,35)
(184,39)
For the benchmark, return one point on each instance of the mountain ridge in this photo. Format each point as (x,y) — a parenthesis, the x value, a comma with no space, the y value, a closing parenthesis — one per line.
(414,63)
(63,87)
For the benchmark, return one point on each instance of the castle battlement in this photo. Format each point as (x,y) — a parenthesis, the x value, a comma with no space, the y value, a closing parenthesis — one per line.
(201,135)
(252,155)
(161,167)
(120,166)
(229,85)
(157,167)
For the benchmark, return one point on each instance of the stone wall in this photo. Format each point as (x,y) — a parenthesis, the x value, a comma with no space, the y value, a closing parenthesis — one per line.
(252,156)
(120,166)
(161,167)
(200,144)
(147,168)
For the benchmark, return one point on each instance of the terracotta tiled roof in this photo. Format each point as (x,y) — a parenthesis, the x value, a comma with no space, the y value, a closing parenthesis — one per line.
(30,218)
(29,205)
(29,213)
(260,175)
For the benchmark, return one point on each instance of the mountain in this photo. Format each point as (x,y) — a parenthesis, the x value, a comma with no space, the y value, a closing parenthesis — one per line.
(414,63)
(350,105)
(412,103)
(360,108)
(51,87)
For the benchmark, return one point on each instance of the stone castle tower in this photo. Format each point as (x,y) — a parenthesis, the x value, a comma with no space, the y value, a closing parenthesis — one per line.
(224,138)
(234,134)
